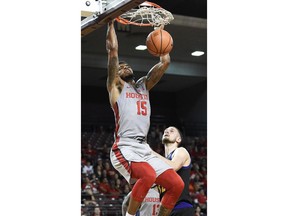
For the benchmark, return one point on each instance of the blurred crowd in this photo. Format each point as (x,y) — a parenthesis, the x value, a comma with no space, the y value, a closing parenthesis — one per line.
(103,188)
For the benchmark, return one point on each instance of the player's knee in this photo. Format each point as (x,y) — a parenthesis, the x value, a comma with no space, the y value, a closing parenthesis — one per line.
(149,178)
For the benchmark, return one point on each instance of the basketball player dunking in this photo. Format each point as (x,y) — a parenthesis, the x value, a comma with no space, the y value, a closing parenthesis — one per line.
(130,154)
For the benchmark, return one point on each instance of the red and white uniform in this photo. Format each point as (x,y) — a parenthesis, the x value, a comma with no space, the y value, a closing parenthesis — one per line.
(150,205)
(132,112)
(132,117)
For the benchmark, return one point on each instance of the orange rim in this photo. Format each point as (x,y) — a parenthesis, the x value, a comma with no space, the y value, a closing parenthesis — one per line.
(128,22)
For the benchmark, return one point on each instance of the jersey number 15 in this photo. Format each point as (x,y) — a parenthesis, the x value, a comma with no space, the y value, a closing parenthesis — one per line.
(142,108)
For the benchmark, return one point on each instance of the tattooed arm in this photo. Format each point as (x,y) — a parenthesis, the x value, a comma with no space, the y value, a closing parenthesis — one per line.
(113,82)
(157,71)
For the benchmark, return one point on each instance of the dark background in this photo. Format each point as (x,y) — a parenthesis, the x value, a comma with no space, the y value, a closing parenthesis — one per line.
(192,8)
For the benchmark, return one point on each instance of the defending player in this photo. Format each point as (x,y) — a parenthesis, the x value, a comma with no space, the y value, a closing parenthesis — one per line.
(179,158)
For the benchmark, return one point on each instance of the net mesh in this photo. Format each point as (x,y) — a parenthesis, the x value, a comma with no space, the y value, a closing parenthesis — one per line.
(146,15)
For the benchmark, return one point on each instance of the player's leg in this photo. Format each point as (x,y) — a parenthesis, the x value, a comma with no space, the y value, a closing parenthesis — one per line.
(145,176)
(174,186)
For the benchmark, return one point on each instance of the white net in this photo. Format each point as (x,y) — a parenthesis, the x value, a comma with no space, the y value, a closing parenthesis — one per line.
(147,15)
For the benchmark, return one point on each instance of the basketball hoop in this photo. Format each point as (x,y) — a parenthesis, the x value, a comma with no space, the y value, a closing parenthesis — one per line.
(146,14)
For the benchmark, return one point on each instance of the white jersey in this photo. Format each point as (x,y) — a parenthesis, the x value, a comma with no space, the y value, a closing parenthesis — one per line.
(132,117)
(149,207)
(151,204)
(132,111)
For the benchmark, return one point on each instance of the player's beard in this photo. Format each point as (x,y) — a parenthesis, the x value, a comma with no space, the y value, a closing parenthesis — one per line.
(165,140)
(128,77)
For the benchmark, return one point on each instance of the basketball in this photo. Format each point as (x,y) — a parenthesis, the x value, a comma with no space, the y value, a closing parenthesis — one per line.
(159,42)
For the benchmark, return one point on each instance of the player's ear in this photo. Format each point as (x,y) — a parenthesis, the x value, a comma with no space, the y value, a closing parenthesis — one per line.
(178,140)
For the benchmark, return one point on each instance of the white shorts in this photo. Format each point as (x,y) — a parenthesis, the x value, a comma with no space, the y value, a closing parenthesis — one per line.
(126,150)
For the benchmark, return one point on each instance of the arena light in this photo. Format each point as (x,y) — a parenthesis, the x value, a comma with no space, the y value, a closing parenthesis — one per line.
(197,53)
(141,47)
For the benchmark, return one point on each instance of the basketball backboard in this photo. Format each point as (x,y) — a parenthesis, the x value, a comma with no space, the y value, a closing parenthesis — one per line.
(96,13)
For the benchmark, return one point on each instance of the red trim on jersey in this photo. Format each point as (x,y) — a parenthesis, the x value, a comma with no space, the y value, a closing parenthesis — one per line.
(116,114)
(119,156)
(115,148)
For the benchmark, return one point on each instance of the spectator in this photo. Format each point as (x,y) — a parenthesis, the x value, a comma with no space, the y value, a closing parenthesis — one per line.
(88,185)
(97,211)
(83,162)
(95,181)
(94,178)
(89,152)
(113,192)
(106,152)
(90,204)
(104,186)
(110,171)
(98,172)
(202,199)
(118,186)
(196,186)
(198,211)
(127,189)
(192,190)
(88,169)
(99,162)
(104,174)
(203,170)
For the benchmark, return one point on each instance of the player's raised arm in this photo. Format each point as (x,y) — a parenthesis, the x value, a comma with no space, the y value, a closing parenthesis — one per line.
(181,156)
(157,71)
(112,50)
